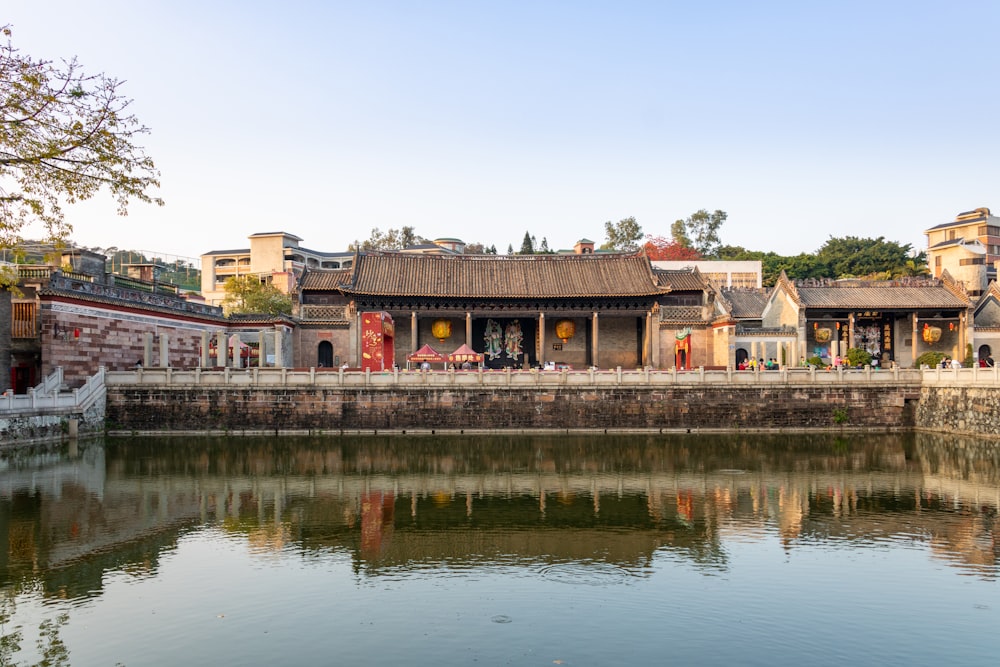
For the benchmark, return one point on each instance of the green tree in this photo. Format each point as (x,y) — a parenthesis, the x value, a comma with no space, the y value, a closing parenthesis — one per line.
(391,239)
(678,231)
(64,136)
(247,294)
(623,236)
(700,231)
(527,245)
(851,256)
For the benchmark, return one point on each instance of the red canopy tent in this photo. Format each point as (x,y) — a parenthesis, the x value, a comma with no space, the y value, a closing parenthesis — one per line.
(463,354)
(428,354)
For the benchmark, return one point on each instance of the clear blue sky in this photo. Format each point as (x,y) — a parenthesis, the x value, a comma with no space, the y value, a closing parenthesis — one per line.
(802,120)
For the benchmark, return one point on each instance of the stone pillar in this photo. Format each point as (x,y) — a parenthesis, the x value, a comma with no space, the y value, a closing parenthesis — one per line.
(164,350)
(962,335)
(147,350)
(413,332)
(647,344)
(850,330)
(261,349)
(468,329)
(594,347)
(541,339)
(279,348)
(916,337)
(221,349)
(204,361)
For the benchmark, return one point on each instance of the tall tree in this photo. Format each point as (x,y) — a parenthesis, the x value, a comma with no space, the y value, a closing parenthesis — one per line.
(527,245)
(623,236)
(701,229)
(661,248)
(678,231)
(247,294)
(64,136)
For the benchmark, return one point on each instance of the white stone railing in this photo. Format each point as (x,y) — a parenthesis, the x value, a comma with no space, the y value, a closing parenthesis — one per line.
(325,377)
(47,395)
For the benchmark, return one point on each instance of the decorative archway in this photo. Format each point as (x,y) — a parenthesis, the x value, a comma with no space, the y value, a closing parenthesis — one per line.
(324,354)
(741,356)
(985,353)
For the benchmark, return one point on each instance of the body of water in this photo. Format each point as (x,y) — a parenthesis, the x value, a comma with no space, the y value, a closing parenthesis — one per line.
(533,550)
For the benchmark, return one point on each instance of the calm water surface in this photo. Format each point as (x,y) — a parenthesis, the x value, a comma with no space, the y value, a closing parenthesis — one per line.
(666,550)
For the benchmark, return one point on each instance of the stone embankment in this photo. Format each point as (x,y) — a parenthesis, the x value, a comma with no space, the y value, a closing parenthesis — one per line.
(270,400)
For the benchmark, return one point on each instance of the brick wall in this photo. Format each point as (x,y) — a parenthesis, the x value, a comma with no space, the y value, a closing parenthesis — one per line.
(83,339)
(331,409)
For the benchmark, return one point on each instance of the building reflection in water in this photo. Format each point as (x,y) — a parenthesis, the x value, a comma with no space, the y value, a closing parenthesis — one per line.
(69,517)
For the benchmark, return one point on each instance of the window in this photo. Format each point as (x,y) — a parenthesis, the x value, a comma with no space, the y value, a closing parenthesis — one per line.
(972,262)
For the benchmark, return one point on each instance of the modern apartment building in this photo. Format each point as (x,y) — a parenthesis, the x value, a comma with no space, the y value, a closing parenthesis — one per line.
(967,247)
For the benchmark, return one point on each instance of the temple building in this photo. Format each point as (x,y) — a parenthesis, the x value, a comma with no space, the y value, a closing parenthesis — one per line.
(519,311)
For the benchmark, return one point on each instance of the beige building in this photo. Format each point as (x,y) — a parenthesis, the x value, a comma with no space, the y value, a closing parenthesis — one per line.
(968,248)
(722,274)
(274,257)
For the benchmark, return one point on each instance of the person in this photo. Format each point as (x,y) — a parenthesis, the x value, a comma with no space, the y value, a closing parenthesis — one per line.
(425,366)
(989,361)
(955,363)
(466,366)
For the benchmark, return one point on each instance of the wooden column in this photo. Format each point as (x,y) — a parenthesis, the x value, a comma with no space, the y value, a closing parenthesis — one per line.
(413,332)
(541,339)
(468,329)
(594,347)
(916,337)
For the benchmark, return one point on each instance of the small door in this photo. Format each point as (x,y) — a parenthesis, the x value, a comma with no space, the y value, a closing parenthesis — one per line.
(324,356)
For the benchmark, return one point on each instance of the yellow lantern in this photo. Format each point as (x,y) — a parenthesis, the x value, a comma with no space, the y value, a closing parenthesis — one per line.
(565,329)
(441,329)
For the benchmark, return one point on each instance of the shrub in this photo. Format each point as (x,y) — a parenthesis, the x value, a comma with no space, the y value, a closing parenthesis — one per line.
(931,359)
(815,361)
(857,356)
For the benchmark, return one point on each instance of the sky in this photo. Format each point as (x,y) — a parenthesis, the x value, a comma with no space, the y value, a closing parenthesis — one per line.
(485,120)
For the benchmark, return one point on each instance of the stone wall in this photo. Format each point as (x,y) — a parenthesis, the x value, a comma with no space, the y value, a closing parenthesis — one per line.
(959,410)
(784,407)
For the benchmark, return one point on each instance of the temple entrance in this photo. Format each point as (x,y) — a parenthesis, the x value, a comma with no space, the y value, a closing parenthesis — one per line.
(985,356)
(505,342)
(324,355)
(741,357)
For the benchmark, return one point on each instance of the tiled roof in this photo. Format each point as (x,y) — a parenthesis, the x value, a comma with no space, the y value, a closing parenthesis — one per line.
(877,297)
(683,280)
(324,280)
(747,303)
(507,276)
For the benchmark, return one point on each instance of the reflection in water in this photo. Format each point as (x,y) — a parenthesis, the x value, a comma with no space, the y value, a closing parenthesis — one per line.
(403,502)
(544,535)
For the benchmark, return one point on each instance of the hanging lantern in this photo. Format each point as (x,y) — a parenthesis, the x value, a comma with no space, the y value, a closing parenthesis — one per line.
(565,329)
(931,334)
(441,329)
